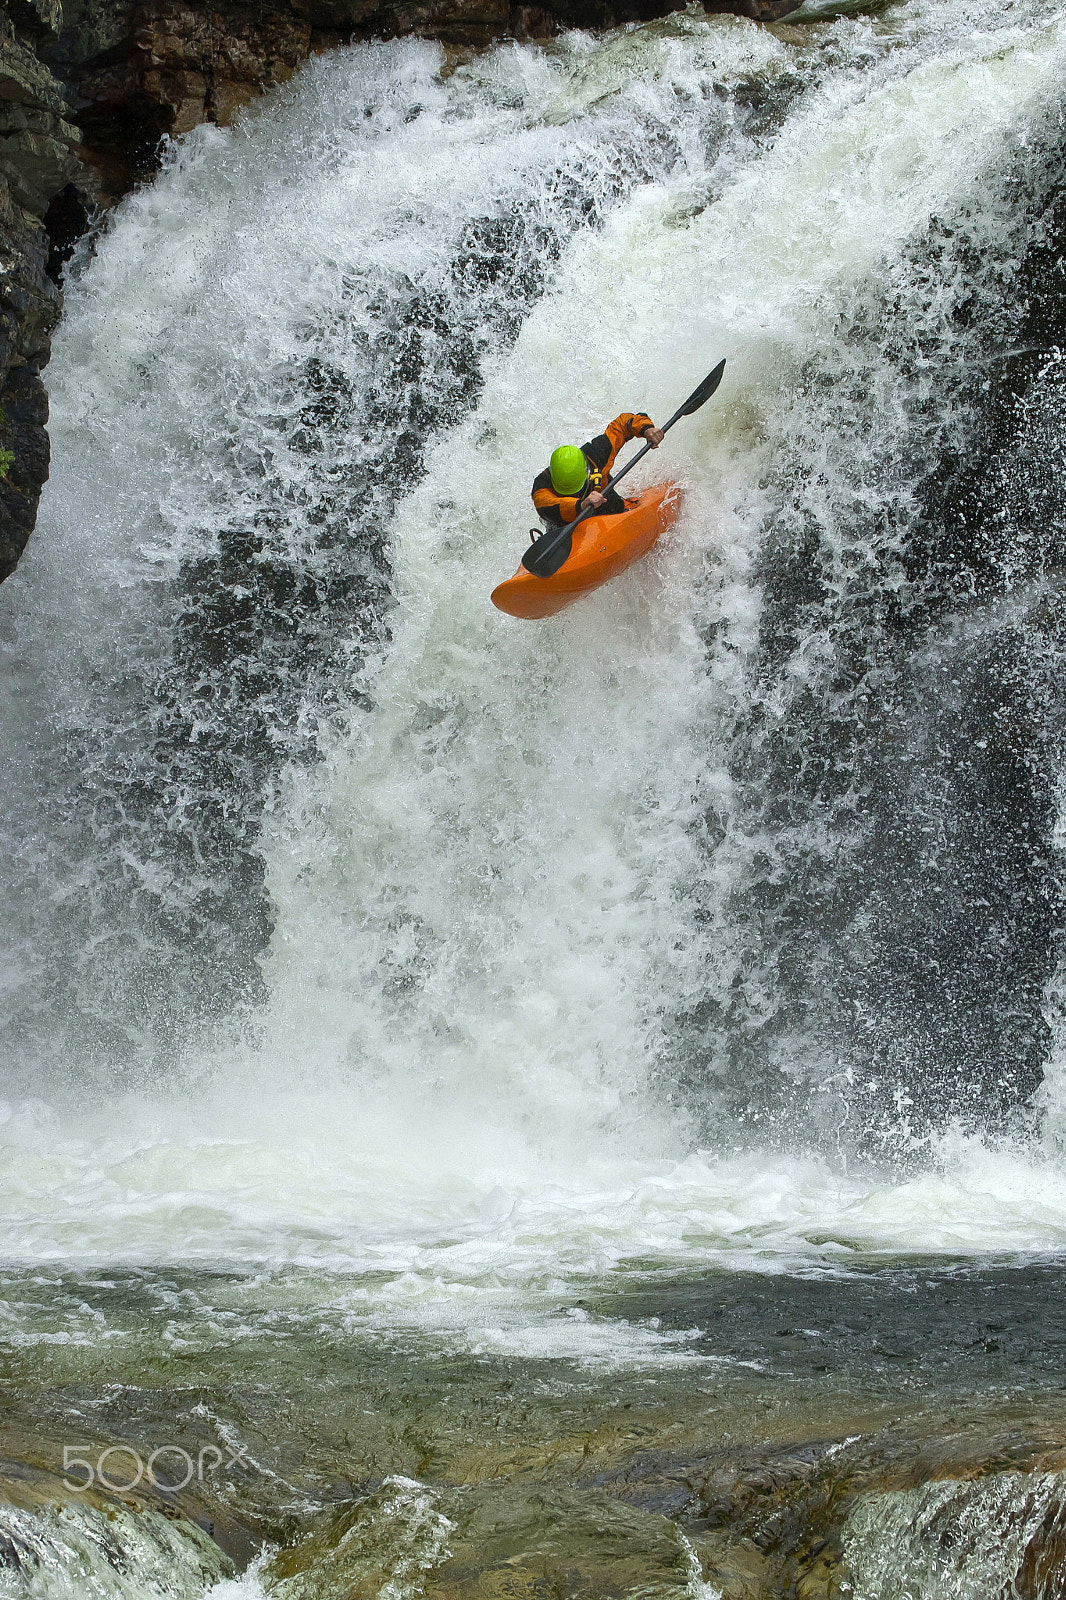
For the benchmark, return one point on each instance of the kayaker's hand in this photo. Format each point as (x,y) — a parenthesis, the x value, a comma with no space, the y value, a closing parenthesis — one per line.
(595,499)
(654,436)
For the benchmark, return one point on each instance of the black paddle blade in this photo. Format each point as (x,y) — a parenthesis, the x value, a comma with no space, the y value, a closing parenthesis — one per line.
(546,555)
(704,392)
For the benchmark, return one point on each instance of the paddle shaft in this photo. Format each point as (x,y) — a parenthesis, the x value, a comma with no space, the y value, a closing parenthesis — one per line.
(551,549)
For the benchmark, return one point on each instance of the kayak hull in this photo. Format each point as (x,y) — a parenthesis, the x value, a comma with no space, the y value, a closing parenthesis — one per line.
(603,547)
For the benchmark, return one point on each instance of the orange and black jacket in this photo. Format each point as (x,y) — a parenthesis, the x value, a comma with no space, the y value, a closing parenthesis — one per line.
(556,510)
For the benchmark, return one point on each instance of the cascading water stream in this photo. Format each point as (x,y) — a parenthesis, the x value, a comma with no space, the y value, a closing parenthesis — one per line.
(264,397)
(629,879)
(433,967)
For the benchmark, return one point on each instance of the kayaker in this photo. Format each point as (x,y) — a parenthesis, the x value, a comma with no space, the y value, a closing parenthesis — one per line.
(574,479)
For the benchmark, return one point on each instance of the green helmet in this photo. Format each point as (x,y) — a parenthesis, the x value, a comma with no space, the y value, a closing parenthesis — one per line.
(569,469)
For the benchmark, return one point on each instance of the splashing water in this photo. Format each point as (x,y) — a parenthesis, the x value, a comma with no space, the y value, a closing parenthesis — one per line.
(362,928)
(124,1554)
(957,1540)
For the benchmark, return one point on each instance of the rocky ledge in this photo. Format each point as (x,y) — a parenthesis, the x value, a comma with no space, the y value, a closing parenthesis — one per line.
(89,88)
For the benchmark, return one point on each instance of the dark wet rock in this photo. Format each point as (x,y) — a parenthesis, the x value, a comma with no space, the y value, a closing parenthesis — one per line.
(24,437)
(37,159)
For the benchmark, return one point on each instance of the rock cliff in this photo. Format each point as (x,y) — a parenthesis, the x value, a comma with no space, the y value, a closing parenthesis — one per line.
(88,88)
(38,162)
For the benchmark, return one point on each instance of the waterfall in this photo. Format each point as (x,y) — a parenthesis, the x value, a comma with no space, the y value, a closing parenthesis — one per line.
(718,914)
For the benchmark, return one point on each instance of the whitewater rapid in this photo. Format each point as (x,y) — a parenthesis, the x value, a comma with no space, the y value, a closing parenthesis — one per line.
(458,915)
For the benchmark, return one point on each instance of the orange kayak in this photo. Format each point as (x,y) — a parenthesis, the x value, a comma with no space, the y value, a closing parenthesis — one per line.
(603,547)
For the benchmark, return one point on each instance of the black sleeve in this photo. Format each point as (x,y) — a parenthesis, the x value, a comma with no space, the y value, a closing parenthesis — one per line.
(598,450)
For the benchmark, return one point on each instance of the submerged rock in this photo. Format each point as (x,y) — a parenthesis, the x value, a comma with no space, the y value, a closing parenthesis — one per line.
(364,1460)
(978,1513)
